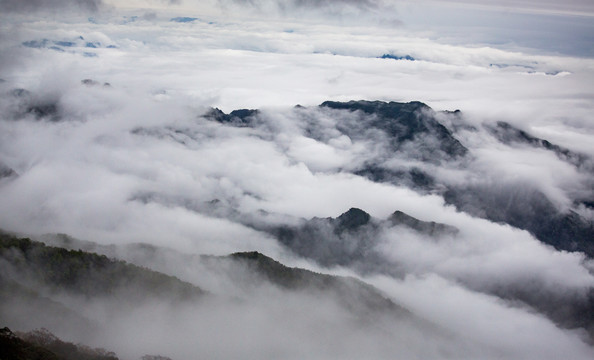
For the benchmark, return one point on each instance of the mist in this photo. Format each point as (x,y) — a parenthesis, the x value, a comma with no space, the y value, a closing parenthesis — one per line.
(44,6)
(118,129)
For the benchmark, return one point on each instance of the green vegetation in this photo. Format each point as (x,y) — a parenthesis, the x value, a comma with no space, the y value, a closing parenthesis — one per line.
(350,292)
(43,345)
(281,275)
(87,274)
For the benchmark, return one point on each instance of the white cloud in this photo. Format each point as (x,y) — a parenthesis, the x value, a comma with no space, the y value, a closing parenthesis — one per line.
(484,318)
(134,162)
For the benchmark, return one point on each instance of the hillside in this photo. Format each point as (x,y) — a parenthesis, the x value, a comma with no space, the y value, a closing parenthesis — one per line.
(33,264)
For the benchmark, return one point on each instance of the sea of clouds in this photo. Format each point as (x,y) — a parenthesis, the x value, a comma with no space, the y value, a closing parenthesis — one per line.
(128,158)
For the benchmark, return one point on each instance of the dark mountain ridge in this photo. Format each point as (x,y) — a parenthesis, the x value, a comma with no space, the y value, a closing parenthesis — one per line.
(528,209)
(289,278)
(36,265)
(404,122)
(28,265)
(43,345)
(567,310)
(509,134)
(430,228)
(355,295)
(239,118)
(414,133)
(350,239)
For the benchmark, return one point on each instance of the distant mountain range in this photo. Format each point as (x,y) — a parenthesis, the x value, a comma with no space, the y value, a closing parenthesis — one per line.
(35,277)
(414,131)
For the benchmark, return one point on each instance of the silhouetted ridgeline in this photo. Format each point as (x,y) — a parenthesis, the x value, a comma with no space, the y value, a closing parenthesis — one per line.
(350,292)
(43,345)
(351,239)
(414,132)
(91,275)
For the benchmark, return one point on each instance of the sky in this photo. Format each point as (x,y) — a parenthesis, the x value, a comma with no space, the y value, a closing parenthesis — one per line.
(129,157)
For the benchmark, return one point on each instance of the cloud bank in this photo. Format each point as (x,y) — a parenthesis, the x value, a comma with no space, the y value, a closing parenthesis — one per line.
(103,136)
(56,5)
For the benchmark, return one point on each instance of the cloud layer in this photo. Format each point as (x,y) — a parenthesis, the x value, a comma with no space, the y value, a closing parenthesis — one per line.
(103,137)
(55,5)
